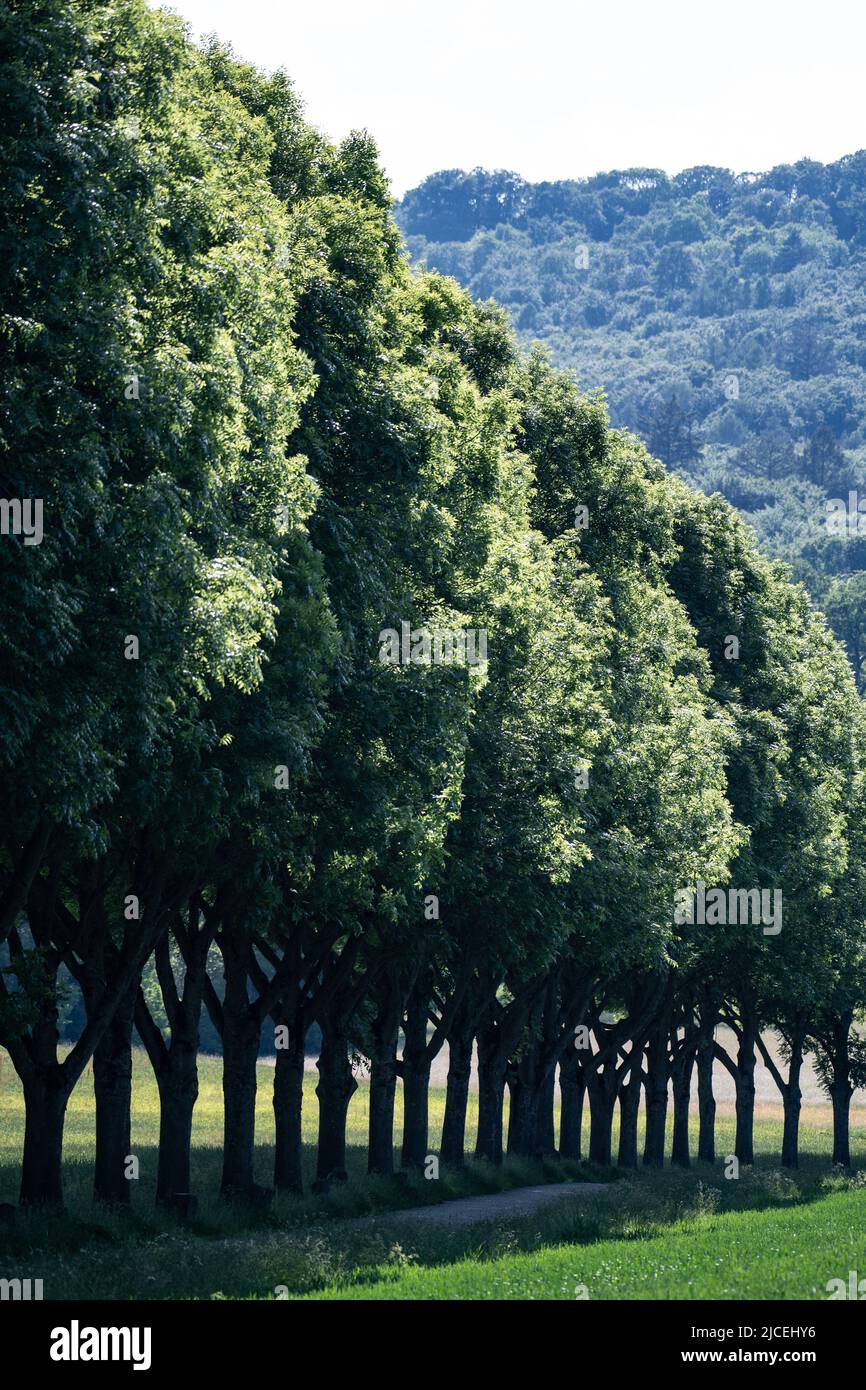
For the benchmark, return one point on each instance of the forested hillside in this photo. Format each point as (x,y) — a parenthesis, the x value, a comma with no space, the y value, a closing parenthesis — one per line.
(723,315)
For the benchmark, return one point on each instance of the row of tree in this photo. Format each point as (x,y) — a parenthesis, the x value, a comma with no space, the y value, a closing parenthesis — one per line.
(260,442)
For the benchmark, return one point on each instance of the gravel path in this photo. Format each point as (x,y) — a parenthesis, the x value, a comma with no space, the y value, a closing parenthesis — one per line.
(466,1211)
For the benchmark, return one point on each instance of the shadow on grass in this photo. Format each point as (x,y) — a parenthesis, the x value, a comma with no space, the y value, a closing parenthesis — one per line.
(84,1220)
(300,1245)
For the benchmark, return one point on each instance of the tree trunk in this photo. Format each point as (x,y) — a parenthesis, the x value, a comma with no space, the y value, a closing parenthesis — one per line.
(706,1099)
(526,1085)
(545,1129)
(177,1081)
(571,1093)
(175,1066)
(491,1089)
(841,1090)
(792,1098)
(656,1095)
(45,1102)
(112,1092)
(416,1084)
(241,1033)
(383,1089)
(602,1101)
(744,1145)
(389,992)
(416,1093)
(629,1110)
(335,1089)
(841,1097)
(288,1113)
(683,1067)
(456,1098)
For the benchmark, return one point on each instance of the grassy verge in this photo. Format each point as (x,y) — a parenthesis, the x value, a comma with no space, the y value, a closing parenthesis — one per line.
(653,1235)
(778,1253)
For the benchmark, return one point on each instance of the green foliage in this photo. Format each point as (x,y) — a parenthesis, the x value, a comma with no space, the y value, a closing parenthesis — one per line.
(723,317)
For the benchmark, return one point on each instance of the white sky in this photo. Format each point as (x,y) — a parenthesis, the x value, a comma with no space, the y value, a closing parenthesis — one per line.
(557,90)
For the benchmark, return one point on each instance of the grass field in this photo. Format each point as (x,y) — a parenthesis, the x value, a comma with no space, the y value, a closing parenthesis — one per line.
(787,1252)
(652,1235)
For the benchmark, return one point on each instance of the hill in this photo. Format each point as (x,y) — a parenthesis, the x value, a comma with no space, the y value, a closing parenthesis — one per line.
(724,317)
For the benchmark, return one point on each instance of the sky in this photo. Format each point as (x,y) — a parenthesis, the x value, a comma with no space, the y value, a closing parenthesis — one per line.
(556,90)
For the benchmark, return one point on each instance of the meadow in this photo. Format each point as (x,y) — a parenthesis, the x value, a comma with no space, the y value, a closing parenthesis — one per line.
(672,1234)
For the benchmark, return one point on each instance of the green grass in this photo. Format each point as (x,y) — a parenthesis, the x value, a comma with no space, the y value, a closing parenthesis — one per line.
(359,1196)
(654,1235)
(777,1254)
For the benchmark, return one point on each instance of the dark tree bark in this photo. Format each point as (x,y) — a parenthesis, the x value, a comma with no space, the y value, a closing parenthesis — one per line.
(79,942)
(289,1107)
(241,1036)
(742,1071)
(240,1029)
(500,1029)
(178,1093)
(311,982)
(175,1061)
(682,1068)
(629,1109)
(416,1078)
(657,1077)
(614,1073)
(571,1093)
(706,1098)
(545,1131)
(383,1091)
(789,1088)
(250,995)
(112,1090)
(492,1065)
(389,995)
(304,978)
(457,1094)
(45,1104)
(524,1095)
(791,1132)
(336,1087)
(838,1048)
(602,1085)
(532,1073)
(112,1060)
(840,1095)
(744,1142)
(552,1010)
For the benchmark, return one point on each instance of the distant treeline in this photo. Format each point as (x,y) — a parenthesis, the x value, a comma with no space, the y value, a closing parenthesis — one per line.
(723,315)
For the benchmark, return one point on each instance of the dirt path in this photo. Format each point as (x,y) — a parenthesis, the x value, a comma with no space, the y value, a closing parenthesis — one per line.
(466,1211)
(462,1211)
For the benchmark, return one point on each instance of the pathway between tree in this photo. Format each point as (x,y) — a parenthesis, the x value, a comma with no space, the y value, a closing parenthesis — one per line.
(465,1211)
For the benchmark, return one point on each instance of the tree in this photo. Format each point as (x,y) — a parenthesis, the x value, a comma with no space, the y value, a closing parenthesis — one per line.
(162,381)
